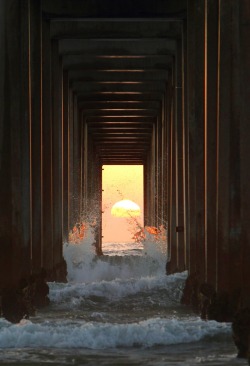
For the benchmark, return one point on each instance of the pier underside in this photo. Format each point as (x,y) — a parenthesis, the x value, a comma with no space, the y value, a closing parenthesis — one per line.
(163,84)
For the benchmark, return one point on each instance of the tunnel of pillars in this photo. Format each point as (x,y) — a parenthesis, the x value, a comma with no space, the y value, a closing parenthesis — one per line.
(162,84)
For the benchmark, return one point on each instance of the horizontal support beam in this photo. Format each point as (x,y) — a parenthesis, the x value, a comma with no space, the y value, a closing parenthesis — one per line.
(114,75)
(122,138)
(122,152)
(114,9)
(119,105)
(111,120)
(117,87)
(147,96)
(113,130)
(117,113)
(120,135)
(125,143)
(122,162)
(117,47)
(122,157)
(107,28)
(150,62)
(121,148)
(103,128)
(106,151)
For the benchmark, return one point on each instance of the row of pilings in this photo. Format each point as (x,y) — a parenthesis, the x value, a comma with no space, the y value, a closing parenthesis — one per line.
(48,168)
(210,212)
(42,180)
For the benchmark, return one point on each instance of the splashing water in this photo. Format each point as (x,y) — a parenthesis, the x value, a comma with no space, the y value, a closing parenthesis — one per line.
(117,309)
(84,266)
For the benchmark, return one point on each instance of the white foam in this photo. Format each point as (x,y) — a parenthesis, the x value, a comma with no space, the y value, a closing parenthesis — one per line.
(84,266)
(111,278)
(79,256)
(118,288)
(94,335)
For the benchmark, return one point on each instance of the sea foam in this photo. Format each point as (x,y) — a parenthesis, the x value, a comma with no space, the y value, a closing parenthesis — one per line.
(94,335)
(84,266)
(118,288)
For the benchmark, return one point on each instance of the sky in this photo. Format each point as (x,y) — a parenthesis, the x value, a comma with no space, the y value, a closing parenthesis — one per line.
(120,182)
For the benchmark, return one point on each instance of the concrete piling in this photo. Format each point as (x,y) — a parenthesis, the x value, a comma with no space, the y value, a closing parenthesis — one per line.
(170,93)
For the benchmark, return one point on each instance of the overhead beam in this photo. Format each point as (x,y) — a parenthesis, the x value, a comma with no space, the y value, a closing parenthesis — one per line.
(114,9)
(122,162)
(124,143)
(119,134)
(111,120)
(117,113)
(128,96)
(140,158)
(122,155)
(127,138)
(104,129)
(151,62)
(126,127)
(120,105)
(115,47)
(116,87)
(120,150)
(117,75)
(114,28)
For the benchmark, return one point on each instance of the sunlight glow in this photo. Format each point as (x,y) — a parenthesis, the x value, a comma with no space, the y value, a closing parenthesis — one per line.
(125,208)
(121,182)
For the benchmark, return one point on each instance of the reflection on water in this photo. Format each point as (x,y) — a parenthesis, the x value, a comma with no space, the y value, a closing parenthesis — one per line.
(119,309)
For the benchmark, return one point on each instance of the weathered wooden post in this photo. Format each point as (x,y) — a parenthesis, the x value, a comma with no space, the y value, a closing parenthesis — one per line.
(36,133)
(47,194)
(57,162)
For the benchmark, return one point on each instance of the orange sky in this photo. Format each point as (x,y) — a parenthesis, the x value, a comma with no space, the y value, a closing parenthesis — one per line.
(120,182)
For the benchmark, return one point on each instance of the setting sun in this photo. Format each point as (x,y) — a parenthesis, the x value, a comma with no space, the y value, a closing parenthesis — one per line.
(125,208)
(120,182)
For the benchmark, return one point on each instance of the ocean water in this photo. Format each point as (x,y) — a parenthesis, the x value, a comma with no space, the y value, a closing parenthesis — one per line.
(119,309)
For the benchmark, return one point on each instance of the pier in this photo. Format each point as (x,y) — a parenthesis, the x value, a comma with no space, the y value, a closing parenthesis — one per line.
(163,84)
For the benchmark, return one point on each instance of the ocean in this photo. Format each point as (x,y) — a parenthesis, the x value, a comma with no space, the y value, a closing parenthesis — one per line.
(117,309)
